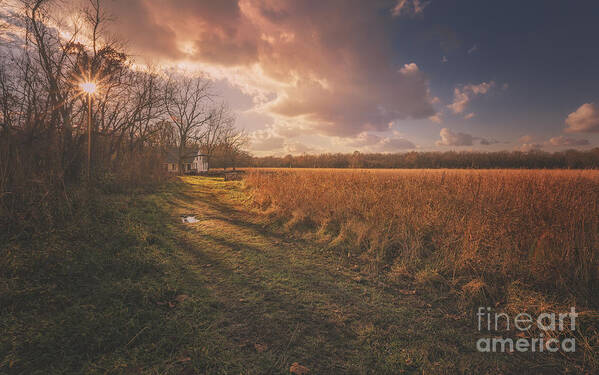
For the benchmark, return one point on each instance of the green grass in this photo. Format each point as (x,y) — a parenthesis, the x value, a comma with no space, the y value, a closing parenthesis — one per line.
(124,287)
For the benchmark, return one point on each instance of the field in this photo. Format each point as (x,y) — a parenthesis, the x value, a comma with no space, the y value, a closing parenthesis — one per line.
(313,267)
(487,228)
(519,240)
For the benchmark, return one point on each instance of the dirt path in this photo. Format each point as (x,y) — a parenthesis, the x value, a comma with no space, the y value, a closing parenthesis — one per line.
(282,300)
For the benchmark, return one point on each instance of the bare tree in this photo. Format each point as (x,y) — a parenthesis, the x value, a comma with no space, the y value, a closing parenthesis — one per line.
(96,18)
(51,54)
(187,101)
(220,123)
(232,143)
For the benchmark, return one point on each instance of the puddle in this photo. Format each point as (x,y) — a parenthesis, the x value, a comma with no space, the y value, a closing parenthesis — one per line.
(188,219)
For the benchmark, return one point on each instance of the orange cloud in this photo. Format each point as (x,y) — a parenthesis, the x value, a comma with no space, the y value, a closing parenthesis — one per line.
(463,95)
(584,120)
(307,61)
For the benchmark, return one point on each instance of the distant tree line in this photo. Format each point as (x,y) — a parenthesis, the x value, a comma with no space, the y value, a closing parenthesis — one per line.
(569,159)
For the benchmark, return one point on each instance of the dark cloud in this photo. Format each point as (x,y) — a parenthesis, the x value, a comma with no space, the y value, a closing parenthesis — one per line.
(136,24)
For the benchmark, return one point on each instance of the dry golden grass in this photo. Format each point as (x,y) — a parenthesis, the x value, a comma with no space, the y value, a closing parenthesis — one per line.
(486,228)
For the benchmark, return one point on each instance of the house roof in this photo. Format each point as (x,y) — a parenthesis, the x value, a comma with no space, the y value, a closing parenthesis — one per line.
(172,155)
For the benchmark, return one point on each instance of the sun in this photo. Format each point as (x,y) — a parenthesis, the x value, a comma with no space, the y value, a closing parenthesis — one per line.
(88,87)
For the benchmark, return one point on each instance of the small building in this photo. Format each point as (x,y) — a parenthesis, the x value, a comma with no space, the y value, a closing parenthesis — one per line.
(193,162)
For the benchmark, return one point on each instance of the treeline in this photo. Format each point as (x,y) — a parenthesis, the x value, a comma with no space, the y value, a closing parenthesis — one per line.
(569,159)
(60,71)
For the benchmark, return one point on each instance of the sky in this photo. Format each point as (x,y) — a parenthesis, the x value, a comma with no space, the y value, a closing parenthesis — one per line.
(316,76)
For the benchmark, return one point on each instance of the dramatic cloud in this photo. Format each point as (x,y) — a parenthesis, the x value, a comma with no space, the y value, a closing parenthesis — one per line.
(566,141)
(469,116)
(463,95)
(144,30)
(332,71)
(451,138)
(409,7)
(584,120)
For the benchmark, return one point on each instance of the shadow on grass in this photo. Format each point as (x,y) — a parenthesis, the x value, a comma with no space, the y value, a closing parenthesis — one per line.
(100,295)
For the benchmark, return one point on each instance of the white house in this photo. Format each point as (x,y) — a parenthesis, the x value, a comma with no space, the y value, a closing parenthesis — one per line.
(193,162)
(200,163)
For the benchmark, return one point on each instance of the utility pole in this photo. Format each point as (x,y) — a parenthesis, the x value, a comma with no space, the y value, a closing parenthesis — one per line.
(89,138)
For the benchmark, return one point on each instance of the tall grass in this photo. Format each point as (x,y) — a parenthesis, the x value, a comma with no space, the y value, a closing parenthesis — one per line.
(482,227)
(40,184)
